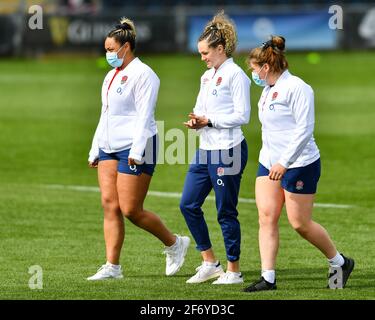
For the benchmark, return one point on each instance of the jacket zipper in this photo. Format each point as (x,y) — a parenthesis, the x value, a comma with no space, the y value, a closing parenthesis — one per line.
(266,133)
(107,107)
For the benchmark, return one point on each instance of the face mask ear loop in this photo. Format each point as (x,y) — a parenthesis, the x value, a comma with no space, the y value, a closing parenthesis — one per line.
(265,78)
(119,51)
(260,71)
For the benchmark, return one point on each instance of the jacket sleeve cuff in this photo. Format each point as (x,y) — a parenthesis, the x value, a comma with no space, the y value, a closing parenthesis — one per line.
(213,120)
(93,156)
(135,156)
(284,163)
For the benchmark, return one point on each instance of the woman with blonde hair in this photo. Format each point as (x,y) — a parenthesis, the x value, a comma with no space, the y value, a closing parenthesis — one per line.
(222,106)
(124,151)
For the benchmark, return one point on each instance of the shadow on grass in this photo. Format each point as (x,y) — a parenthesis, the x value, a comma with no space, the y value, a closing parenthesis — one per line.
(360,279)
(298,279)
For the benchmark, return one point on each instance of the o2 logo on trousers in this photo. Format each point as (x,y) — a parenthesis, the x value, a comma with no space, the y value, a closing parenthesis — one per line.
(220,182)
(133,168)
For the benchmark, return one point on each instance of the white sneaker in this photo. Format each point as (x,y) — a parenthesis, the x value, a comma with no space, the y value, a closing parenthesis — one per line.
(106,272)
(176,255)
(206,272)
(229,277)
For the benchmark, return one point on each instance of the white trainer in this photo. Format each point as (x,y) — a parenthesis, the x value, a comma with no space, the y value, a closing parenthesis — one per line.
(107,272)
(175,255)
(206,272)
(229,277)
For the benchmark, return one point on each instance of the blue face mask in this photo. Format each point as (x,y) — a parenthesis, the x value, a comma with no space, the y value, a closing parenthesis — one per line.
(113,60)
(258,81)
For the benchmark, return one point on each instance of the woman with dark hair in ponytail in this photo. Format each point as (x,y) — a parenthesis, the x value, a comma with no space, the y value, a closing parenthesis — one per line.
(289,164)
(124,149)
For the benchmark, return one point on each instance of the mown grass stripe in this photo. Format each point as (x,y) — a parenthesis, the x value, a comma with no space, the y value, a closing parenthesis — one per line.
(175,195)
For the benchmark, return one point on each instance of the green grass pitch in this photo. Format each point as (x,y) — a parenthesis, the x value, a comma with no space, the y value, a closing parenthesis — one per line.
(48,112)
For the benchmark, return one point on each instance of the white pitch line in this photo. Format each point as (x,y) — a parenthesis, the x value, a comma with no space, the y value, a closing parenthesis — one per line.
(177,195)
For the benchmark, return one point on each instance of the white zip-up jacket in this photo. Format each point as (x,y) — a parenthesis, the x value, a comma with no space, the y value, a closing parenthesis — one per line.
(286,111)
(224,98)
(127,117)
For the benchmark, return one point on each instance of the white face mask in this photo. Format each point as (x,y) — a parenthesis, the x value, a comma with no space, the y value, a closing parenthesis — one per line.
(113,59)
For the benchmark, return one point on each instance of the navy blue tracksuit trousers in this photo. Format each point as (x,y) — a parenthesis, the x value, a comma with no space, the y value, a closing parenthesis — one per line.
(221,170)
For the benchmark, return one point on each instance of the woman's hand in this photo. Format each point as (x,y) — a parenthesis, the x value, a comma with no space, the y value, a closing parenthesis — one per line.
(131,162)
(196,122)
(94,164)
(277,172)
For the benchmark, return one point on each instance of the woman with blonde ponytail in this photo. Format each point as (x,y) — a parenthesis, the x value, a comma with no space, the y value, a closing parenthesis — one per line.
(222,106)
(124,150)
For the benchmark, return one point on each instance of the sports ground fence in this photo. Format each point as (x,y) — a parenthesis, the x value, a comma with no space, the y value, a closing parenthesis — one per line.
(176,29)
